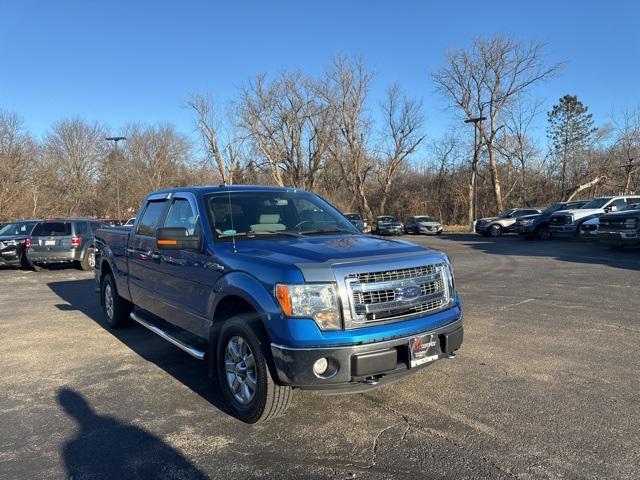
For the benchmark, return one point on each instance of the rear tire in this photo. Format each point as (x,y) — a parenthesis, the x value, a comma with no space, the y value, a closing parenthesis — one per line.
(88,262)
(244,376)
(116,309)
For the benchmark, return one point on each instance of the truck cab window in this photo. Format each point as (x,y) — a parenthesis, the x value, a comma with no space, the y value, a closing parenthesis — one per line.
(182,215)
(151,218)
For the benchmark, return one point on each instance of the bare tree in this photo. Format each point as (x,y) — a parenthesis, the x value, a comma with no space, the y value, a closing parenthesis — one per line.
(289,125)
(17,155)
(626,148)
(345,88)
(224,152)
(485,80)
(403,135)
(74,150)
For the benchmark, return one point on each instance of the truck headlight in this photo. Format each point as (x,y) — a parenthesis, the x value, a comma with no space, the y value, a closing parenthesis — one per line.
(631,223)
(451,281)
(314,300)
(527,222)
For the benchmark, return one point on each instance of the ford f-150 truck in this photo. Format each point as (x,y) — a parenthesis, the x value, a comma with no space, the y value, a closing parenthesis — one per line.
(277,291)
(566,223)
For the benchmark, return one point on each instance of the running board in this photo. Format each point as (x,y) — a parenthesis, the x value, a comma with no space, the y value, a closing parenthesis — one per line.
(161,333)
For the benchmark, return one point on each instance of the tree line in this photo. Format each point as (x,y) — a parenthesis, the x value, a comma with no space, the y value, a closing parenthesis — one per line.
(323,133)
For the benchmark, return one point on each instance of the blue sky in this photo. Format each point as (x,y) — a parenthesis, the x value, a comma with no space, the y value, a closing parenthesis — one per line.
(121,61)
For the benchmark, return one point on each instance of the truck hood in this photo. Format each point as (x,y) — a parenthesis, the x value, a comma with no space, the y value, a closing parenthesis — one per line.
(323,248)
(580,212)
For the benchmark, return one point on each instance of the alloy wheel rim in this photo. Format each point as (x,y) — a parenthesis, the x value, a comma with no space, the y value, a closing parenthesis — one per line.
(240,368)
(108,300)
(92,259)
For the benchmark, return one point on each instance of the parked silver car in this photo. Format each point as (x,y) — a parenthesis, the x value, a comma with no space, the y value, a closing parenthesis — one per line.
(422,224)
(64,240)
(503,223)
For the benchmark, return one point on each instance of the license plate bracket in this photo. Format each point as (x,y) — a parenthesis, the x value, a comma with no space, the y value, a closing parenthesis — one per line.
(423,349)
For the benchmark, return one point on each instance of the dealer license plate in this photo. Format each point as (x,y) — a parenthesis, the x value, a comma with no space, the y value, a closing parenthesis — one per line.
(423,349)
(49,242)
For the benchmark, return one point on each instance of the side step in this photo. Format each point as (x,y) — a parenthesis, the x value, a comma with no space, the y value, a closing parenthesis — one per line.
(194,352)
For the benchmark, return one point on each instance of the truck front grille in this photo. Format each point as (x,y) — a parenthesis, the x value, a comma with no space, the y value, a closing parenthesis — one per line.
(394,294)
(561,220)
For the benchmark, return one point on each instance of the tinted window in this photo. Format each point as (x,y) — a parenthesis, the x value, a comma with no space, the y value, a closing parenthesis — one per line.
(96,225)
(620,204)
(18,228)
(353,216)
(52,229)
(81,228)
(182,215)
(596,203)
(151,218)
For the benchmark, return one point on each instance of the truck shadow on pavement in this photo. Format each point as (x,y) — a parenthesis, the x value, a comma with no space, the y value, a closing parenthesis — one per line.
(564,250)
(80,296)
(105,447)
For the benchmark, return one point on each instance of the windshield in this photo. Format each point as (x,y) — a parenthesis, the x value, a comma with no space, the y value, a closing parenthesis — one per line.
(353,216)
(596,203)
(507,213)
(555,207)
(251,214)
(424,219)
(17,228)
(387,219)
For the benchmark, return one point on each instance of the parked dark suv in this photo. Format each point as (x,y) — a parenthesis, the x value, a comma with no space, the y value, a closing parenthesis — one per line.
(14,242)
(63,241)
(537,225)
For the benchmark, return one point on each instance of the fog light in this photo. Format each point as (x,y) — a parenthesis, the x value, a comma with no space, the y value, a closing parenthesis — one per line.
(320,366)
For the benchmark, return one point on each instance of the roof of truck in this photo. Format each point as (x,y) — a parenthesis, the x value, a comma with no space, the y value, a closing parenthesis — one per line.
(232,188)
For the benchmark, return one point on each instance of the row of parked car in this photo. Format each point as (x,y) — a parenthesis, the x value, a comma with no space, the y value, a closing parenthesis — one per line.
(32,243)
(390,225)
(611,220)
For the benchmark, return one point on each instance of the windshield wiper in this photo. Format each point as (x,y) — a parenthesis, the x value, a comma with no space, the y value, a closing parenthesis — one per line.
(252,234)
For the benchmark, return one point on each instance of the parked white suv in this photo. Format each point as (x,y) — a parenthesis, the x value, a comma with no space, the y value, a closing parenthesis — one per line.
(566,223)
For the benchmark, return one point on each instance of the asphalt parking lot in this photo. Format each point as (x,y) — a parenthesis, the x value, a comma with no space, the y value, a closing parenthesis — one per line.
(546,385)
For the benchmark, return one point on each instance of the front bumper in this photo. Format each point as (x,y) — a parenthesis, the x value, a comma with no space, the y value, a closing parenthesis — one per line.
(619,237)
(359,367)
(430,230)
(10,256)
(390,231)
(567,230)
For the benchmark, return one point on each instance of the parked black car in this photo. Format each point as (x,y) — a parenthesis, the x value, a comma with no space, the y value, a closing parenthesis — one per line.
(388,225)
(14,242)
(620,229)
(64,240)
(537,225)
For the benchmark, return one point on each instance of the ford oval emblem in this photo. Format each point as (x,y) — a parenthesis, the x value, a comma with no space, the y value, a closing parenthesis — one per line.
(411,292)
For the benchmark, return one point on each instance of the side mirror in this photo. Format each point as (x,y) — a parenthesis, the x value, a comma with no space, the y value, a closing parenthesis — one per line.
(176,238)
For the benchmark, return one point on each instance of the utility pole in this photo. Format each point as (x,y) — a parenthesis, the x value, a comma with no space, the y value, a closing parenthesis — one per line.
(474,171)
(115,141)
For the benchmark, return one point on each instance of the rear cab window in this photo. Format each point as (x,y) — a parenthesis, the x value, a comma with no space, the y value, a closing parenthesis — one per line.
(52,229)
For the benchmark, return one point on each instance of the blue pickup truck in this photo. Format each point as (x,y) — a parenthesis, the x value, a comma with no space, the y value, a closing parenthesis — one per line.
(277,291)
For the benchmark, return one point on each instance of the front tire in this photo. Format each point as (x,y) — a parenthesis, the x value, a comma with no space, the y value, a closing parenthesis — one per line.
(116,309)
(495,230)
(243,374)
(543,233)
